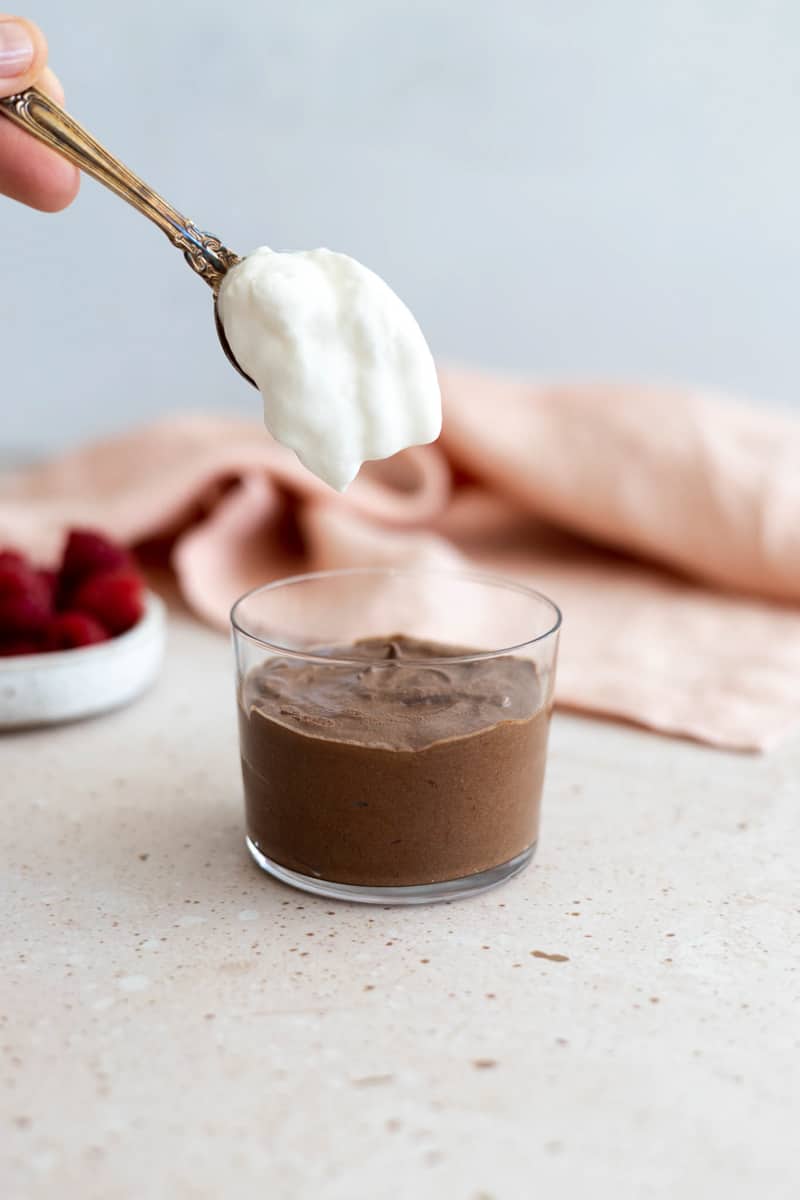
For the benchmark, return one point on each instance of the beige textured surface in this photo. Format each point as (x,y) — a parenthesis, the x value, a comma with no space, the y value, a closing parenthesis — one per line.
(177,1026)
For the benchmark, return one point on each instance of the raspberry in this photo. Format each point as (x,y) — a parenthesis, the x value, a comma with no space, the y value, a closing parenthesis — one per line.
(69,630)
(21,645)
(25,603)
(10,558)
(50,580)
(114,599)
(87,553)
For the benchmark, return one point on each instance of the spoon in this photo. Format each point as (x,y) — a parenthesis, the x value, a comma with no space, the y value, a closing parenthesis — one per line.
(35,112)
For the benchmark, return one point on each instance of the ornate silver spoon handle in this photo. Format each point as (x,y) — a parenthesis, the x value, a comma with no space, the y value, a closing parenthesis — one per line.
(47,121)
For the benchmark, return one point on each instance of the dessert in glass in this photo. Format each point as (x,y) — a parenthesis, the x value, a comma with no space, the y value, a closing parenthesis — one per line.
(393,729)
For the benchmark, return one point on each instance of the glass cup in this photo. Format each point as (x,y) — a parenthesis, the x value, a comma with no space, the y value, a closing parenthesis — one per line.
(393,729)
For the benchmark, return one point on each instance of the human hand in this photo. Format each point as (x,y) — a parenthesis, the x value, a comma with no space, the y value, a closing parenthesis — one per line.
(29,171)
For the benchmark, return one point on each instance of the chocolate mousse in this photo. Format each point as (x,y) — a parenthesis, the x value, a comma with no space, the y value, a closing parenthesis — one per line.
(399,768)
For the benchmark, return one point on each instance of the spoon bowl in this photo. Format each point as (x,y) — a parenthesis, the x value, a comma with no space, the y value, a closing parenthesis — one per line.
(226,348)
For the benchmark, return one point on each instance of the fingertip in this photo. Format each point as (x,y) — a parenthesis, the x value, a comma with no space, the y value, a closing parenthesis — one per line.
(60,189)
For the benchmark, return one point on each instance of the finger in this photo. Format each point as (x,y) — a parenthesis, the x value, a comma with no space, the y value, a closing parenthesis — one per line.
(23,54)
(34,174)
(29,171)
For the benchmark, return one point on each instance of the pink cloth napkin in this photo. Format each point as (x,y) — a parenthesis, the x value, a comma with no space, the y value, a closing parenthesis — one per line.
(665,523)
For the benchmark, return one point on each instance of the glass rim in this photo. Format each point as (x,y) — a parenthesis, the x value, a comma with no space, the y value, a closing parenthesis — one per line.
(466,575)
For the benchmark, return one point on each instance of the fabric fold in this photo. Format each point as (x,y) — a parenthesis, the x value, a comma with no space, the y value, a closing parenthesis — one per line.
(665,523)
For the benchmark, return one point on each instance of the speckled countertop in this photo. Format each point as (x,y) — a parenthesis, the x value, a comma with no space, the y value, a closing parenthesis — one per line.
(175,1025)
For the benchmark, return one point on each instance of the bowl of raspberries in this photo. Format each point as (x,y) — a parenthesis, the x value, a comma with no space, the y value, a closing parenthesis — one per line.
(77,638)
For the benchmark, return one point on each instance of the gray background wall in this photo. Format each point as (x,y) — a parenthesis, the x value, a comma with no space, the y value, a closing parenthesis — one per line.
(574,188)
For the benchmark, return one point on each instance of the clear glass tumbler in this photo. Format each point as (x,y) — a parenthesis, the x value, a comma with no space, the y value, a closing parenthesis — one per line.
(393,729)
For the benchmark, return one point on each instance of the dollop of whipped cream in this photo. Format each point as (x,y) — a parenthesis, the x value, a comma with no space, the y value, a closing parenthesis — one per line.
(343,368)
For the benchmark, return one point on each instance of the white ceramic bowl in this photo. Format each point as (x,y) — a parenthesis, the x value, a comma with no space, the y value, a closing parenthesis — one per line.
(42,689)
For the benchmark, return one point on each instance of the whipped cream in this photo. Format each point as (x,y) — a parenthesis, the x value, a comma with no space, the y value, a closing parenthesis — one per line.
(342,366)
